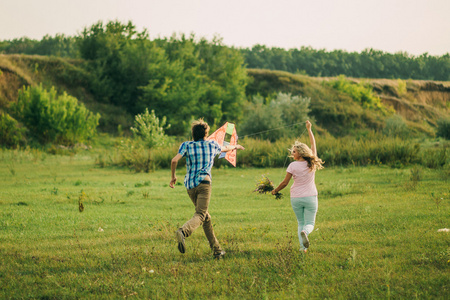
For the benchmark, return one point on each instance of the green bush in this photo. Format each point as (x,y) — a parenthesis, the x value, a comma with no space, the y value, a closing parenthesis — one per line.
(435,157)
(401,87)
(277,118)
(396,126)
(443,128)
(262,119)
(50,118)
(360,92)
(294,110)
(11,133)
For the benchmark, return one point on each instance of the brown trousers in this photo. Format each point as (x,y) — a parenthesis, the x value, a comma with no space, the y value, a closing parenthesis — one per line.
(200,196)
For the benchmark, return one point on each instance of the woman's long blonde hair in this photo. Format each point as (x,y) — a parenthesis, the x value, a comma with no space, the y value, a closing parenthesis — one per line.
(314,162)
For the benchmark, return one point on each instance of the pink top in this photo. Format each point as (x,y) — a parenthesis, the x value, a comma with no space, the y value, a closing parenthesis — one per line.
(304,185)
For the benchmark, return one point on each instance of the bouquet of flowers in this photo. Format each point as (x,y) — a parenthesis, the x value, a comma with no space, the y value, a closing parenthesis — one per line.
(265,186)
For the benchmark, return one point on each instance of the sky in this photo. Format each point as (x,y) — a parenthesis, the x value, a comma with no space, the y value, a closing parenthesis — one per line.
(412,26)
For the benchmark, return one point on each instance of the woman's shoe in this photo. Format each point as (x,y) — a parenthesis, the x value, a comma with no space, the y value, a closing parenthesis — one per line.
(305,240)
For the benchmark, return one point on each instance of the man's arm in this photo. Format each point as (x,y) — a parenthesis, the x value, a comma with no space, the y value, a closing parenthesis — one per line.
(232,147)
(173,168)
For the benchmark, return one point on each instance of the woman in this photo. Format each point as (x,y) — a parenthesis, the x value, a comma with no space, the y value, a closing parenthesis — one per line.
(303,191)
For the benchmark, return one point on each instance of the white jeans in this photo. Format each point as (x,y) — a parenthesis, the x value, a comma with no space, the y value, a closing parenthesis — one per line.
(305,209)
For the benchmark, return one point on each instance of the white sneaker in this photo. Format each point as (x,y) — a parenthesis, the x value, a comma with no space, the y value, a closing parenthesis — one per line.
(305,240)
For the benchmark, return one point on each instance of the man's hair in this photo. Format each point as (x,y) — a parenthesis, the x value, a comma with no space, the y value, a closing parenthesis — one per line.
(199,129)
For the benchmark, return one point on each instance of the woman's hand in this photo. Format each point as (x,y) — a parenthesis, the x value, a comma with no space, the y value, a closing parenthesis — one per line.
(239,147)
(274,192)
(308,125)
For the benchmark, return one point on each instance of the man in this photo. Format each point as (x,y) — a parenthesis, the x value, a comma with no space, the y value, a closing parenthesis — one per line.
(199,155)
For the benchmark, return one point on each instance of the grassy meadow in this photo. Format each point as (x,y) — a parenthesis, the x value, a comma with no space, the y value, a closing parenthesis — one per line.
(376,234)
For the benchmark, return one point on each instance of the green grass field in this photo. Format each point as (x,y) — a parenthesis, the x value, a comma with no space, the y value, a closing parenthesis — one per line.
(376,234)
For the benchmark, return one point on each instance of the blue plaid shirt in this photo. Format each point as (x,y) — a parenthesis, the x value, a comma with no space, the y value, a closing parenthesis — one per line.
(199,160)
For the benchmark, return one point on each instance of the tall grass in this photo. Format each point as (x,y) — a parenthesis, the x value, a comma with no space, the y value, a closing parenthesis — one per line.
(135,156)
(369,151)
(373,149)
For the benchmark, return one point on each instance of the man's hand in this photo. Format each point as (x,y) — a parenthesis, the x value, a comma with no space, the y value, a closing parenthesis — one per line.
(173,168)
(232,147)
(172,182)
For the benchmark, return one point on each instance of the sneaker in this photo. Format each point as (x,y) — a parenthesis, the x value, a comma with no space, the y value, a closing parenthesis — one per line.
(180,239)
(219,255)
(305,240)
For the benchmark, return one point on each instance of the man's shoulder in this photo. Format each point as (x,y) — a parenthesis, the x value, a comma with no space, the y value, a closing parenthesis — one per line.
(185,143)
(190,143)
(200,144)
(213,142)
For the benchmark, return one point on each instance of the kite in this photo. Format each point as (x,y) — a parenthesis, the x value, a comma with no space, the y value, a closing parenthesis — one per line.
(224,136)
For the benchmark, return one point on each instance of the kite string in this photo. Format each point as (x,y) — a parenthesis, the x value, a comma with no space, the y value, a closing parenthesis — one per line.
(264,131)
(287,156)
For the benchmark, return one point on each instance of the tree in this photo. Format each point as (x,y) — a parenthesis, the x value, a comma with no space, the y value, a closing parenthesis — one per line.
(181,78)
(200,79)
(370,63)
(122,60)
(150,129)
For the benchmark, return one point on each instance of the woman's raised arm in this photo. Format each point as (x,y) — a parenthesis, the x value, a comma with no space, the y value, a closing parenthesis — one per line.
(312,140)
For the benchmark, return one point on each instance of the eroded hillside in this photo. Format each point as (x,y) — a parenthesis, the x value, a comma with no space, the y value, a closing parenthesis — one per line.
(420,103)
